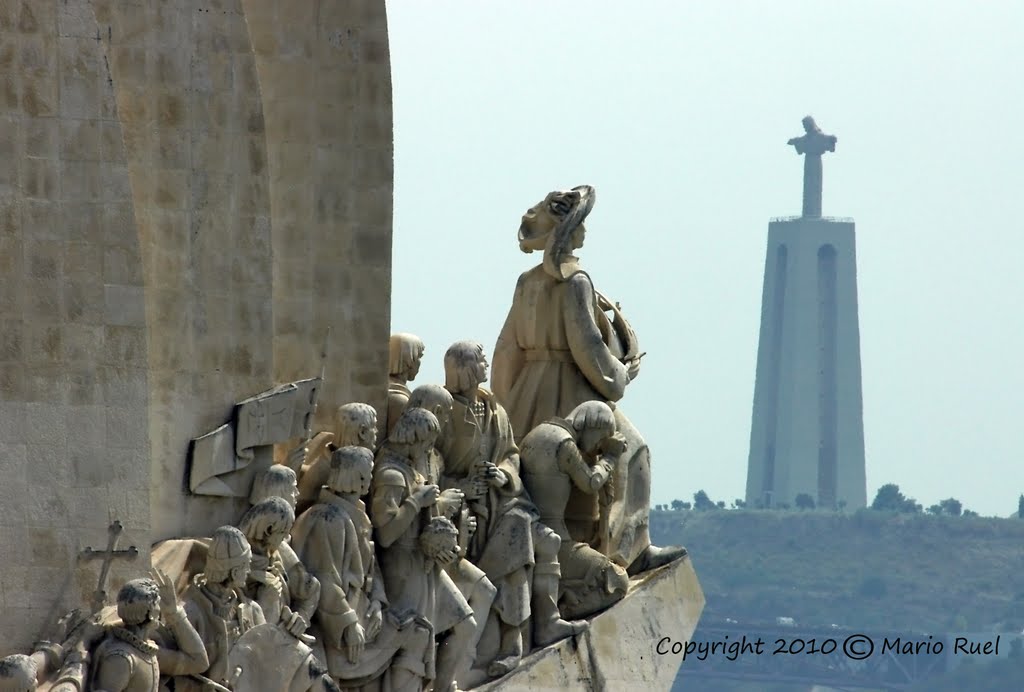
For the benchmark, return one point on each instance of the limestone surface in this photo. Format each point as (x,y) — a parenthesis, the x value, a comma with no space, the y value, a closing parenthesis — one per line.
(618,652)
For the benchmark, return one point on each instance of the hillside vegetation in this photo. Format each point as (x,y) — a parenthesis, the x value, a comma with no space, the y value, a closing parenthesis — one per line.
(868,569)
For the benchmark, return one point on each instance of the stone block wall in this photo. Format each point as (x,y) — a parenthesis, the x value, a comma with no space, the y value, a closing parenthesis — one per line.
(192,192)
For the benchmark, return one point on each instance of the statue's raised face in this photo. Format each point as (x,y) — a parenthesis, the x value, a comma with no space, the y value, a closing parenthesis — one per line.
(539,221)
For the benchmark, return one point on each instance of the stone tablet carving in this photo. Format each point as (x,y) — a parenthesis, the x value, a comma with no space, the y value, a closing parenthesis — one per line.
(559,348)
(221,462)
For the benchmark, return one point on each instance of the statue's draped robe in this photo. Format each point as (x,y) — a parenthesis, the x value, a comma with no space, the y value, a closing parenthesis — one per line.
(219,622)
(414,582)
(299,591)
(503,543)
(556,350)
(333,541)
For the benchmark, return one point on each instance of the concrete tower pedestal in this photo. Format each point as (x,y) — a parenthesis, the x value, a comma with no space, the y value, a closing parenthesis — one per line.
(807,433)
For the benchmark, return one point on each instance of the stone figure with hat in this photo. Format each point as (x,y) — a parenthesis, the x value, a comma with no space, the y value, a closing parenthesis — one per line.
(216,605)
(564,343)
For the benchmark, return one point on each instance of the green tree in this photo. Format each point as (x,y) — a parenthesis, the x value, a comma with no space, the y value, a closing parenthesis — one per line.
(890,499)
(740,504)
(677,505)
(804,501)
(701,501)
(1020,507)
(952,507)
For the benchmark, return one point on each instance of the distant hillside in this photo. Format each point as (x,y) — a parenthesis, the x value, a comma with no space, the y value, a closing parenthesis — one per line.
(867,569)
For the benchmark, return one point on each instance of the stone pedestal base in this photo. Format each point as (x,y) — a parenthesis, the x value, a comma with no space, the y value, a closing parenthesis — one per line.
(618,652)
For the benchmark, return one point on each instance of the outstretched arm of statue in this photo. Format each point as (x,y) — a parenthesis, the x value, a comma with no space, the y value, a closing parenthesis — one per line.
(605,373)
(508,357)
(190,656)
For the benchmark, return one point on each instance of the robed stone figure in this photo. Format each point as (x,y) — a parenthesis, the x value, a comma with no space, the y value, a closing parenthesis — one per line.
(559,348)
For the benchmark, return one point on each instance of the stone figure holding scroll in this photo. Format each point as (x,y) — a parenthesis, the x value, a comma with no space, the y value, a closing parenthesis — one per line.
(579,453)
(517,552)
(559,348)
(365,641)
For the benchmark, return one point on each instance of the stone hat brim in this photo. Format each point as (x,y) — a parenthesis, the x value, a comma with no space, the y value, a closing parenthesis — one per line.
(558,260)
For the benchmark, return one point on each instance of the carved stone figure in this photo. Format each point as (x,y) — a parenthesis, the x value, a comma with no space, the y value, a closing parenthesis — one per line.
(216,605)
(18,674)
(558,348)
(404,501)
(481,459)
(276,481)
(813,146)
(471,580)
(577,452)
(405,353)
(357,426)
(286,592)
(365,641)
(128,660)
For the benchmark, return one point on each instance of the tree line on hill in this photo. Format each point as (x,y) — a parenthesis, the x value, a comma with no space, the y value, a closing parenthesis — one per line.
(888,499)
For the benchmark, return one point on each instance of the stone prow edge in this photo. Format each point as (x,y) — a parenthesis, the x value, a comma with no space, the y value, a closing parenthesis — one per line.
(618,650)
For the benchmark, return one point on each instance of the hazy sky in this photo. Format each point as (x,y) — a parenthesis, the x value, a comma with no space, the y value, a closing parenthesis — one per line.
(678,113)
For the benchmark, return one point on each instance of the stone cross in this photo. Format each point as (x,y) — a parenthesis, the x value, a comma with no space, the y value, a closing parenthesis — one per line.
(812,145)
(108,556)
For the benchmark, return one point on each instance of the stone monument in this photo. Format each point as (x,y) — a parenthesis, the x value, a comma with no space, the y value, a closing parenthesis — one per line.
(807,433)
(191,194)
(195,233)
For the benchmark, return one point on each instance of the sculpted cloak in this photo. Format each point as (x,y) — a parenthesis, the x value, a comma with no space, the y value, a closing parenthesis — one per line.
(333,541)
(413,580)
(558,349)
(503,543)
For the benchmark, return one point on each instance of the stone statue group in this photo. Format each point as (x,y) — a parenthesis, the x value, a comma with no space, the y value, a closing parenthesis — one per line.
(431,544)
